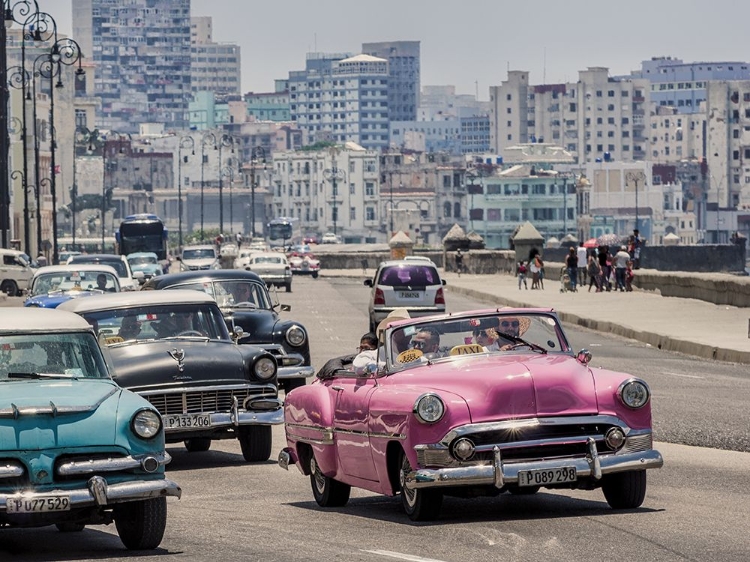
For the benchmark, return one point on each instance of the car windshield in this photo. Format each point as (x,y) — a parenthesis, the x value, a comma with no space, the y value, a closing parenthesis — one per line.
(451,338)
(117,264)
(63,281)
(158,322)
(142,260)
(412,274)
(198,254)
(37,355)
(241,293)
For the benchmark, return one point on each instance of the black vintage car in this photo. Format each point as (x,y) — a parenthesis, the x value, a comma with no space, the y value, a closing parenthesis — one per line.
(245,302)
(174,349)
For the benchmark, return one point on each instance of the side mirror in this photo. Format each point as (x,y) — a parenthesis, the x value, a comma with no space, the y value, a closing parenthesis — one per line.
(584,356)
(445,282)
(368,282)
(237,333)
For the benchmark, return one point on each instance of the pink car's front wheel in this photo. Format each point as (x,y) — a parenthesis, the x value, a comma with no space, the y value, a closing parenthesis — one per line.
(419,504)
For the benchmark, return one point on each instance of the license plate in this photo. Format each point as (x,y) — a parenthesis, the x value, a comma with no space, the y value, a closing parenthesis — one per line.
(410,294)
(41,504)
(187,421)
(546,476)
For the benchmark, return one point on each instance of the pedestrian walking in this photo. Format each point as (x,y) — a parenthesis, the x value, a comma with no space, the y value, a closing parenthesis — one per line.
(571,263)
(594,272)
(603,256)
(521,274)
(239,239)
(621,259)
(629,276)
(459,262)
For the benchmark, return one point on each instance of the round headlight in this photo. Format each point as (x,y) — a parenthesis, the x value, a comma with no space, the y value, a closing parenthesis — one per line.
(634,393)
(296,336)
(146,424)
(264,368)
(429,408)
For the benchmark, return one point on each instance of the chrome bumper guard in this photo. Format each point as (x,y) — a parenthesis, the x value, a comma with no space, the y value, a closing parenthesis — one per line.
(297,372)
(498,474)
(149,463)
(99,493)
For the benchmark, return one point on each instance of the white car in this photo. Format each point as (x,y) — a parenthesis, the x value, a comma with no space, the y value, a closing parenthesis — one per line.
(15,272)
(331,238)
(202,256)
(273,268)
(242,261)
(129,281)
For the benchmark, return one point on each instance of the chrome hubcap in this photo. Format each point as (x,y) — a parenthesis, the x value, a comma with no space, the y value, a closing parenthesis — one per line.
(409,495)
(320,481)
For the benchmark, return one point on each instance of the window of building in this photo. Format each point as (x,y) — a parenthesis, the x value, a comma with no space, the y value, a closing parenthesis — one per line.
(370,213)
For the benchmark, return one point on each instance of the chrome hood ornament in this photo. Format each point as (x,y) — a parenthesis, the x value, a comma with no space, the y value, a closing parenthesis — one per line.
(178,355)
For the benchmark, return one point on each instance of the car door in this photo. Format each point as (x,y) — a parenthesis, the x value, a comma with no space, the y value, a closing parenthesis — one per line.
(351,422)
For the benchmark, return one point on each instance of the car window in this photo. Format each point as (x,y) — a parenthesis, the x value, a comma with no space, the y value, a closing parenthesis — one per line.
(198,254)
(72,281)
(142,260)
(74,355)
(267,260)
(412,274)
(118,264)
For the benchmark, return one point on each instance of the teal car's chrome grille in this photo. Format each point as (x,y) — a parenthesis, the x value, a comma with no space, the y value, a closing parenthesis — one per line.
(82,460)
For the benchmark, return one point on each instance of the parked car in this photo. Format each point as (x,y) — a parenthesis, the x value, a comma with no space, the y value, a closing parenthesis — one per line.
(76,449)
(55,284)
(15,272)
(414,285)
(304,263)
(65,255)
(330,238)
(242,261)
(145,262)
(173,348)
(197,257)
(245,302)
(129,281)
(273,268)
(469,404)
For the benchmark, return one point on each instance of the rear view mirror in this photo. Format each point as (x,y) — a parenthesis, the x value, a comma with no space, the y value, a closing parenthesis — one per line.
(368,282)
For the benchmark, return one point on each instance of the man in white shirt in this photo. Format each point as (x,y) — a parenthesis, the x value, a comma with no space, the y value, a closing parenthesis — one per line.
(582,254)
(621,266)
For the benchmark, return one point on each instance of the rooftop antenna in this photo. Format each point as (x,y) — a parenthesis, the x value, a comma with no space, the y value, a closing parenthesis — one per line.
(544,71)
(476,83)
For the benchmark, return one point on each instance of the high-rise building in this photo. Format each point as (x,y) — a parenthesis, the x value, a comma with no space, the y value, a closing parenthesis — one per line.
(141,49)
(404,76)
(214,67)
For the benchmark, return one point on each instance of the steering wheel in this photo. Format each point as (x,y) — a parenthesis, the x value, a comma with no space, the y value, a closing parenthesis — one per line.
(245,304)
(188,333)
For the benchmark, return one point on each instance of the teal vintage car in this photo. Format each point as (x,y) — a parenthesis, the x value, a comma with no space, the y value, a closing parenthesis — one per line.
(75,448)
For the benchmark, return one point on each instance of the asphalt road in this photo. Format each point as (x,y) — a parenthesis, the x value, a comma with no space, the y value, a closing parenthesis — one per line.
(697,507)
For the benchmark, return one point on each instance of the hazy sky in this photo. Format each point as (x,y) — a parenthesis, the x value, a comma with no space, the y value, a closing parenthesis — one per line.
(470,41)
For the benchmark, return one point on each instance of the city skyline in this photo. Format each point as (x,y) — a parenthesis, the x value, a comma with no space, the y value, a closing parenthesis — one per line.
(471,46)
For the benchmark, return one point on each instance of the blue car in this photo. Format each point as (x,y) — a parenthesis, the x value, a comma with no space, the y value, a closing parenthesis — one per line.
(147,263)
(55,284)
(76,448)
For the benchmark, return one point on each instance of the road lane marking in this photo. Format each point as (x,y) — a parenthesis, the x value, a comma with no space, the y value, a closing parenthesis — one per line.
(401,556)
(682,375)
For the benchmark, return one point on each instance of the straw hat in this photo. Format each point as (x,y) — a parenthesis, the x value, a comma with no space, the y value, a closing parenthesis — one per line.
(395,314)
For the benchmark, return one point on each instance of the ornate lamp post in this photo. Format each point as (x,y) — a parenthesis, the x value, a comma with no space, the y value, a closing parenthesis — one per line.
(207,137)
(257,153)
(119,139)
(89,139)
(225,141)
(185,142)
(334,174)
(228,171)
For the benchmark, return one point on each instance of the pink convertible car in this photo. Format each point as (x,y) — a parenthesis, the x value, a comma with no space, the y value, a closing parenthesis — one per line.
(475,403)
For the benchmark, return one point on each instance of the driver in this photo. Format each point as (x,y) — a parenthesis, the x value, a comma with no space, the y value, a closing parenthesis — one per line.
(174,325)
(427,340)
(130,328)
(241,293)
(513,327)
(101,283)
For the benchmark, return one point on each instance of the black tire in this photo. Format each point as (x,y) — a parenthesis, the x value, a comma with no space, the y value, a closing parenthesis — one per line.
(289,287)
(198,444)
(141,524)
(69,527)
(255,441)
(291,384)
(419,504)
(315,275)
(327,491)
(625,490)
(9,287)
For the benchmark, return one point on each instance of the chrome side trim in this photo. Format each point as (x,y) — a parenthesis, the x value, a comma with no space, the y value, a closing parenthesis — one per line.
(73,468)
(370,434)
(52,410)
(490,474)
(326,434)
(11,469)
(112,493)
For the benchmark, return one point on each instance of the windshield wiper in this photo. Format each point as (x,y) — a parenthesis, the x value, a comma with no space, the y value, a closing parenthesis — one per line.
(40,376)
(520,342)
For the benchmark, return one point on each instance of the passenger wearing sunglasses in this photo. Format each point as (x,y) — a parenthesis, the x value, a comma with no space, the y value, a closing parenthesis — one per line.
(426,340)
(487,339)
(512,327)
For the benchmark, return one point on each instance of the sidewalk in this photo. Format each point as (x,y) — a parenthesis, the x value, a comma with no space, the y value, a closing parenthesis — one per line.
(688,326)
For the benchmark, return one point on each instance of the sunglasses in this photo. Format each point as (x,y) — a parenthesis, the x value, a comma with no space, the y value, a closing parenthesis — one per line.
(418,344)
(507,324)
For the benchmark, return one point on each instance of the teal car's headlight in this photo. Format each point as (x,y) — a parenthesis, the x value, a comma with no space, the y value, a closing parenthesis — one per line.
(634,393)
(264,368)
(429,408)
(296,336)
(146,424)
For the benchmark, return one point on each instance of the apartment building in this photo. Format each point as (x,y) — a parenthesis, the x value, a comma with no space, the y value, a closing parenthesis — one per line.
(341,98)
(214,67)
(141,49)
(404,76)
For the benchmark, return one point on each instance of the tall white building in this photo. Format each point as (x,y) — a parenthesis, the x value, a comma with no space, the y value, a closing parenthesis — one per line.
(214,67)
(341,98)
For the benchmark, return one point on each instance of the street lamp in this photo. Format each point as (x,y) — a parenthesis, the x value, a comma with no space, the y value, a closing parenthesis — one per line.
(89,139)
(185,142)
(207,137)
(334,174)
(225,141)
(635,176)
(257,152)
(119,138)
(228,171)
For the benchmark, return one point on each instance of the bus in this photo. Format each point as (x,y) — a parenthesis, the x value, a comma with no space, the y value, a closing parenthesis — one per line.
(142,233)
(285,229)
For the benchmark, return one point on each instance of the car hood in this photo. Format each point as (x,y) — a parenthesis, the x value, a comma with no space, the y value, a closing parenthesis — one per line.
(56,299)
(43,414)
(203,262)
(260,324)
(148,364)
(500,387)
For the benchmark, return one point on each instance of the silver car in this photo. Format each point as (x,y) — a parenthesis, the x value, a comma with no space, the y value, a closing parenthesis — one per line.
(273,268)
(411,284)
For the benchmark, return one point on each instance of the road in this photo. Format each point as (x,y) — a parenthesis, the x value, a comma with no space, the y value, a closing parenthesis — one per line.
(697,507)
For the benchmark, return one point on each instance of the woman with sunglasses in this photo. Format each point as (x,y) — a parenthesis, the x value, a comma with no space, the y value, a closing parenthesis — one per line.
(487,338)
